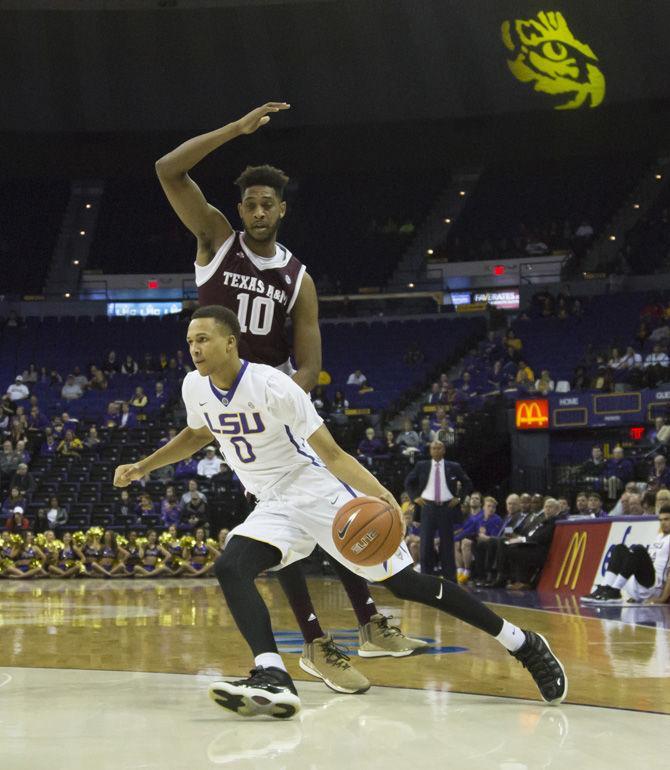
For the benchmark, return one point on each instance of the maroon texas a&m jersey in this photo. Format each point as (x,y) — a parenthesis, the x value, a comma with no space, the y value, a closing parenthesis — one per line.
(261,290)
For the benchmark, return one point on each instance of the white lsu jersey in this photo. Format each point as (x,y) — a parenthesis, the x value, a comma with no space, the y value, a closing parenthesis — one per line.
(261,424)
(659,551)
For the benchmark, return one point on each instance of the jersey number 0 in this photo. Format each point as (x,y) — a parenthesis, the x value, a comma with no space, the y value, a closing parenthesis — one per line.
(262,312)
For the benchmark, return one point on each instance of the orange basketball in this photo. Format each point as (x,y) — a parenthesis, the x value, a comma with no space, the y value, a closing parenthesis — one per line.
(367,531)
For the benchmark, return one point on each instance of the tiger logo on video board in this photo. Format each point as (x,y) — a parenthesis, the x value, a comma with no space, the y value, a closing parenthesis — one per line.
(548,55)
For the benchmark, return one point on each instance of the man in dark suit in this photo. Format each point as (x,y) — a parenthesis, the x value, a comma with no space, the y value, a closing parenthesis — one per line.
(524,553)
(436,486)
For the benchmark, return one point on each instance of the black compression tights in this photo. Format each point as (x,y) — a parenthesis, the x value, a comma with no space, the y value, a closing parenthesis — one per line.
(243,559)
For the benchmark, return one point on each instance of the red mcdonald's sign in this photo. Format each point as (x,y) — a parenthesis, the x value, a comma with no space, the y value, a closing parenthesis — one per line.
(532,414)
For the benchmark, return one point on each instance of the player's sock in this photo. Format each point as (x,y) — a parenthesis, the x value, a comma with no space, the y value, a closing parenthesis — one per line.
(294,585)
(270,660)
(236,570)
(446,596)
(460,571)
(358,592)
(609,579)
(511,637)
(619,582)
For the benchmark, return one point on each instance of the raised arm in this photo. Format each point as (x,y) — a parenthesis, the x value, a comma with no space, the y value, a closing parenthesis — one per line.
(206,222)
(306,335)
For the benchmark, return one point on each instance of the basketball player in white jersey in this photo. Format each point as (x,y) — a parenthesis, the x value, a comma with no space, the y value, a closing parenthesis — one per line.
(264,284)
(273,438)
(643,574)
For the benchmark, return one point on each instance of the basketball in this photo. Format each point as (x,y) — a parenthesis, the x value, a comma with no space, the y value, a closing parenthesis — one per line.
(367,531)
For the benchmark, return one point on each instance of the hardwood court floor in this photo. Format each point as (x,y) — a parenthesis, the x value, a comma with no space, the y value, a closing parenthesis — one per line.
(178,635)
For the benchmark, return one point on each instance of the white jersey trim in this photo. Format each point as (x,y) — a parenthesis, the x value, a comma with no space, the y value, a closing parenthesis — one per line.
(280,259)
(296,290)
(204,272)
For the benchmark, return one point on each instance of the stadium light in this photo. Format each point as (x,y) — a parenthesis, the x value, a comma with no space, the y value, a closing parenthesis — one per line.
(429,252)
(410,285)
(612,237)
(82,232)
(461,193)
(87,206)
(636,205)
(658,177)
(447,221)
(75,261)
(67,295)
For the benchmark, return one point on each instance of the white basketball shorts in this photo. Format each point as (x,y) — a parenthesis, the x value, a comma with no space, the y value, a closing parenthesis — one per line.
(639,593)
(297,518)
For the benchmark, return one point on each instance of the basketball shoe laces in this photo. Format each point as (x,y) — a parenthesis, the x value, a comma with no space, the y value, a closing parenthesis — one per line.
(260,678)
(388,630)
(540,666)
(335,655)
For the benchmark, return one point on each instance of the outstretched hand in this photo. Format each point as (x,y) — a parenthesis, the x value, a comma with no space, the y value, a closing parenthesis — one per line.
(126,474)
(260,116)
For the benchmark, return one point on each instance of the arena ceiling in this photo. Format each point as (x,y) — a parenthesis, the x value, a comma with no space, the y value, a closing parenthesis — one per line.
(176,65)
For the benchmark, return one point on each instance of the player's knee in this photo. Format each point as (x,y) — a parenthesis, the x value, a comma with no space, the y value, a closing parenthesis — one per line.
(400,585)
(225,568)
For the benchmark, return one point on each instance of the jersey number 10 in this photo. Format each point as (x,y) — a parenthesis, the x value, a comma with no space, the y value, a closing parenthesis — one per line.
(262,312)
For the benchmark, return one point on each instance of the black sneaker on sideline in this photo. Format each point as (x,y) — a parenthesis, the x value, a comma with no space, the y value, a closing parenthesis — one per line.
(594,596)
(608,594)
(267,692)
(545,668)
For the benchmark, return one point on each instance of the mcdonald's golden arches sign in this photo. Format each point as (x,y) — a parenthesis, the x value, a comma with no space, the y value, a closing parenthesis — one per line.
(532,414)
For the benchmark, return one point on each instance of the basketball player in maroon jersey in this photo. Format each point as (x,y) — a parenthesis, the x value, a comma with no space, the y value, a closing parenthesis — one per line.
(264,283)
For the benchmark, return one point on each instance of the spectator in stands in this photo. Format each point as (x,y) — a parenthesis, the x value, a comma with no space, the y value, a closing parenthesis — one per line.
(186,469)
(320,401)
(55,380)
(49,447)
(545,385)
(195,510)
(357,378)
(92,440)
(436,485)
(656,366)
(7,410)
(445,433)
(148,365)
(18,390)
(71,390)
(525,377)
(659,436)
(659,478)
(129,367)
(16,497)
(170,510)
(622,504)
(145,505)
(113,415)
(596,506)
(36,420)
(526,502)
(80,378)
(521,556)
(182,362)
(16,430)
(409,440)
(171,434)
(9,459)
(126,419)
(485,522)
(139,401)
(563,507)
(618,471)
(390,447)
(434,395)
(338,408)
(593,469)
(98,380)
(23,452)
(642,334)
(193,493)
(23,480)
(369,448)
(111,365)
(631,359)
(662,498)
(604,379)
(634,505)
(426,435)
(16,521)
(487,543)
(160,397)
(56,515)
(31,374)
(580,379)
(123,506)
(209,465)
(513,345)
(70,446)
(537,503)
(649,502)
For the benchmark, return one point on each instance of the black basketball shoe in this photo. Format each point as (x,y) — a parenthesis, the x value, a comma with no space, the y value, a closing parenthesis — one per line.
(608,594)
(545,668)
(594,596)
(267,692)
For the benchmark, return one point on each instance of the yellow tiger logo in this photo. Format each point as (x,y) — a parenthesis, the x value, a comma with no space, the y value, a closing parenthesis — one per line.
(549,55)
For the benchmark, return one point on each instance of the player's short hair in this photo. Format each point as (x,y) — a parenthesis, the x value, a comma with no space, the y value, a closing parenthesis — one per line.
(268,176)
(222,315)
